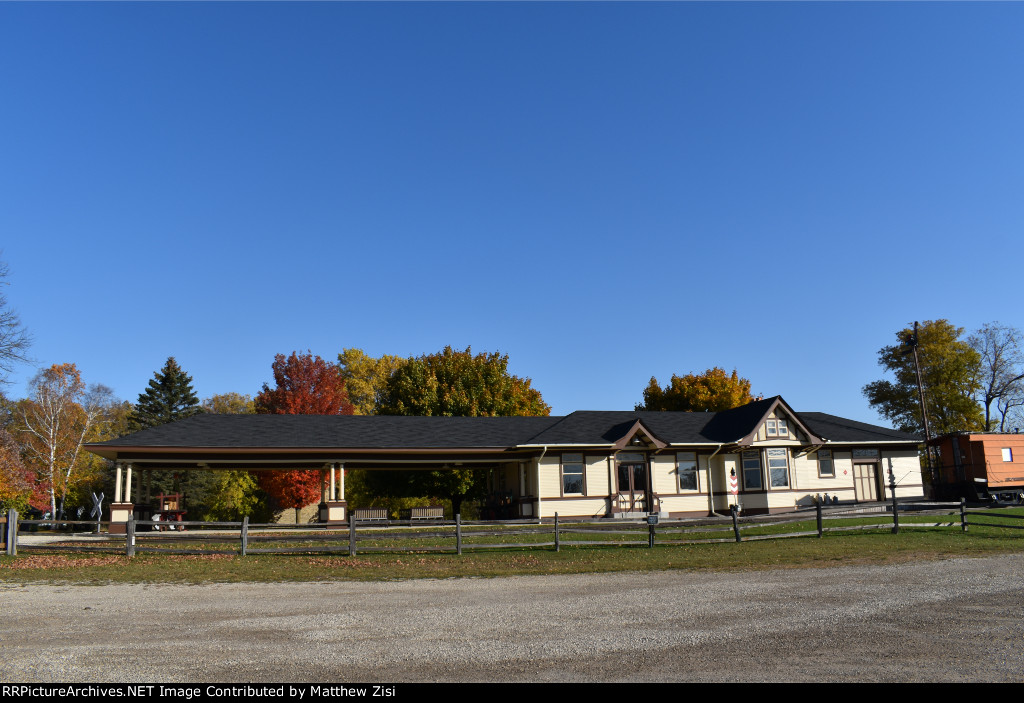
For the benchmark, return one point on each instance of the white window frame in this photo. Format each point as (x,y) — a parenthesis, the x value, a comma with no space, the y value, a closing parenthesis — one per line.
(685,459)
(1008,454)
(567,460)
(825,457)
(776,454)
(751,455)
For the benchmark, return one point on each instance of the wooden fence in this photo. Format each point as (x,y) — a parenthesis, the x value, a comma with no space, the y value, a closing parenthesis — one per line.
(457,536)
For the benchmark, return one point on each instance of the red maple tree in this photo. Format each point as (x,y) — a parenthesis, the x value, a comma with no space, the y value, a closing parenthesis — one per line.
(306,385)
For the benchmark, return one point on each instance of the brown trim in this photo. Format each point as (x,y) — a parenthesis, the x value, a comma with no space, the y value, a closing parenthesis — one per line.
(623,443)
(752,436)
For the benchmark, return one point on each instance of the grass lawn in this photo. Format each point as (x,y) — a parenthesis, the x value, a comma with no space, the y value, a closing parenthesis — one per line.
(860,547)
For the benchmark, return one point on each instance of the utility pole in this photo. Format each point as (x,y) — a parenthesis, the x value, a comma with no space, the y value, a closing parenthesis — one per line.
(912,342)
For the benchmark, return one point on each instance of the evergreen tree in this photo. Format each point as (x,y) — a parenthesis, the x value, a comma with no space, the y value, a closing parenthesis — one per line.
(169,397)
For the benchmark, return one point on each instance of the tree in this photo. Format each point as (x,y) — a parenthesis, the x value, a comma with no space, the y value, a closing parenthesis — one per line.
(230,404)
(169,397)
(458,384)
(15,478)
(713,390)
(365,376)
(1002,370)
(950,372)
(305,385)
(57,419)
(14,338)
(455,384)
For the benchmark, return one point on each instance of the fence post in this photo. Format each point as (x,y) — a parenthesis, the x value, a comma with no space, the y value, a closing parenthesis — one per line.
(558,546)
(245,534)
(458,533)
(650,536)
(963,514)
(735,522)
(129,537)
(351,534)
(817,509)
(12,533)
(895,507)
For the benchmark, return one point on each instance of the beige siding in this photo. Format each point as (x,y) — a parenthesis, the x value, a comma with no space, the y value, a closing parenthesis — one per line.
(550,477)
(689,503)
(663,473)
(577,507)
(597,475)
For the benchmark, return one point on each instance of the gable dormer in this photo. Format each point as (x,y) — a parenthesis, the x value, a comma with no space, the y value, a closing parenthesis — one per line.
(639,438)
(775,423)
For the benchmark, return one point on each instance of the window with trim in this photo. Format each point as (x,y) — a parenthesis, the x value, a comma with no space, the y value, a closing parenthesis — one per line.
(686,468)
(778,468)
(572,474)
(777,428)
(1007,454)
(826,466)
(752,469)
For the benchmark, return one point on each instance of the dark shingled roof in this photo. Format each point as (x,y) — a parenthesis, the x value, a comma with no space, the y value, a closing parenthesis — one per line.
(337,431)
(839,429)
(583,427)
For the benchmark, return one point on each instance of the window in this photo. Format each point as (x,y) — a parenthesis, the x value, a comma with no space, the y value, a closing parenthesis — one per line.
(776,428)
(752,469)
(771,429)
(572,474)
(783,428)
(778,468)
(1007,454)
(826,468)
(686,468)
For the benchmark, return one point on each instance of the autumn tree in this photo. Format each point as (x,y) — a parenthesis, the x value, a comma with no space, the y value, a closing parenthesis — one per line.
(1002,370)
(459,384)
(454,384)
(230,404)
(305,385)
(168,397)
(712,391)
(14,338)
(365,377)
(950,374)
(57,419)
(15,478)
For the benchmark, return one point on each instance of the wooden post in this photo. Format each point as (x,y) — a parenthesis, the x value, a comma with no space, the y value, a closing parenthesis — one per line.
(351,534)
(650,536)
(12,533)
(735,522)
(963,514)
(895,507)
(558,546)
(458,534)
(129,537)
(245,534)
(817,509)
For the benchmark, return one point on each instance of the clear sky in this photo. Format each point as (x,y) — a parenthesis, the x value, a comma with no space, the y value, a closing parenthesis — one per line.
(605,192)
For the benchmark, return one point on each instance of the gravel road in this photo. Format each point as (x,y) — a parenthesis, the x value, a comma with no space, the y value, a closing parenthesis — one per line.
(952,620)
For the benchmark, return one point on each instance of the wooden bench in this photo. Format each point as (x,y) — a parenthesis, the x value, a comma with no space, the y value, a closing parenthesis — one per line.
(425,512)
(370,514)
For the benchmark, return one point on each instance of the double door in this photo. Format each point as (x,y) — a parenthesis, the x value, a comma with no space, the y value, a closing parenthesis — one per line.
(633,486)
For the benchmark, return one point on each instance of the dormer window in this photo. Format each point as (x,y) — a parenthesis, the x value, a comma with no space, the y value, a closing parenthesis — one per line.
(777,427)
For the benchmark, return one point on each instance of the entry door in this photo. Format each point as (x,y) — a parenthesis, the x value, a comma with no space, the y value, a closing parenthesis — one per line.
(865,481)
(633,486)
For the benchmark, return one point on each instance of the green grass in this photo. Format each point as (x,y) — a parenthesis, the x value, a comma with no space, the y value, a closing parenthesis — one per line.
(863,547)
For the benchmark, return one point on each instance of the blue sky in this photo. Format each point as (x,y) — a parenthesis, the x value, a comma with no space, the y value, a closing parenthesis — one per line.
(604,191)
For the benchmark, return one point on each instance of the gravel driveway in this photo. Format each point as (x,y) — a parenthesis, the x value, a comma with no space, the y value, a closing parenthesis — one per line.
(953,620)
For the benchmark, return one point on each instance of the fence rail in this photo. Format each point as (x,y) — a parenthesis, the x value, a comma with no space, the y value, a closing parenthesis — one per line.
(457,536)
